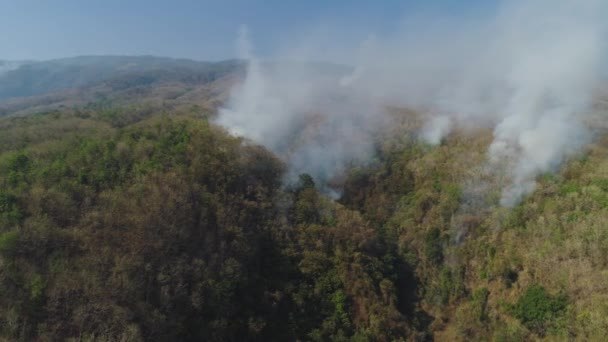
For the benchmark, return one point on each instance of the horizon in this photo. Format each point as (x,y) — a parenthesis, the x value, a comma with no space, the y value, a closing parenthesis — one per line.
(229,59)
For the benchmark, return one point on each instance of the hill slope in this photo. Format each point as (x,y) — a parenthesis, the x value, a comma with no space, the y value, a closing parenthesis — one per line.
(134,218)
(84,81)
(37,78)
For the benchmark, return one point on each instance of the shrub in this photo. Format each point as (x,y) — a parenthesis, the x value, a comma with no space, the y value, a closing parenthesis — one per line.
(480,303)
(8,243)
(450,285)
(433,248)
(9,210)
(536,308)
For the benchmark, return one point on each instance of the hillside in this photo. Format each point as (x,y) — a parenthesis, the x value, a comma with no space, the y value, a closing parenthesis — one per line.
(36,78)
(134,217)
(35,87)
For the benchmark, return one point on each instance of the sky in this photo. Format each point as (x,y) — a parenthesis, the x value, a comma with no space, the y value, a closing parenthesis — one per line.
(201,30)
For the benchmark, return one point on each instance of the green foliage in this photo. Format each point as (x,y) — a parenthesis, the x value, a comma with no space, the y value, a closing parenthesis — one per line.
(8,243)
(433,246)
(10,213)
(569,187)
(480,302)
(305,181)
(536,308)
(130,223)
(450,285)
(36,287)
(169,229)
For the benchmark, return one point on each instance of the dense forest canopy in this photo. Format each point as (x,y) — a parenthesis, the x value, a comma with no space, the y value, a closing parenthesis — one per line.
(143,220)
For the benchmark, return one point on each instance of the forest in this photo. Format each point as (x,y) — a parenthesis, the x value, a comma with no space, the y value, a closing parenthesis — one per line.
(127,223)
(127,213)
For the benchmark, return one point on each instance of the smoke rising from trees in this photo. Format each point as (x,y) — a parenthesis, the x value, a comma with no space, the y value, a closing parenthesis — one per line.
(528,71)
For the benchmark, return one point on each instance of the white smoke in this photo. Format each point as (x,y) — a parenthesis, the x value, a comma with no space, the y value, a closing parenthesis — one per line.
(528,71)
(552,74)
(305,112)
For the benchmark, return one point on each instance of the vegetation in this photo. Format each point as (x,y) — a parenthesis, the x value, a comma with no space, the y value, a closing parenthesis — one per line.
(169,229)
(536,306)
(119,72)
(132,222)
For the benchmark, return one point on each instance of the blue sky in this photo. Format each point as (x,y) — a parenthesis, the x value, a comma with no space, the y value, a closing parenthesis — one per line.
(203,30)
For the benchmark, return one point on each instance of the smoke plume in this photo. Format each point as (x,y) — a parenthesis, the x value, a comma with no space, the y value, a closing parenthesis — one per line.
(305,112)
(527,71)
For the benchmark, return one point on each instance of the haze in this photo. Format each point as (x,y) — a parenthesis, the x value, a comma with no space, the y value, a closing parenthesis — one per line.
(203,30)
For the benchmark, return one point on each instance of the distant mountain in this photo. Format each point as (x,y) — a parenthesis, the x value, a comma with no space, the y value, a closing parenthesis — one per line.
(23,79)
(28,87)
